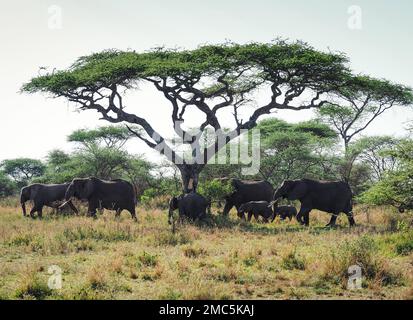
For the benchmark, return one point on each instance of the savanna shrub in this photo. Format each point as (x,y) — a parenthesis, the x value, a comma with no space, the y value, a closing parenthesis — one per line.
(364,253)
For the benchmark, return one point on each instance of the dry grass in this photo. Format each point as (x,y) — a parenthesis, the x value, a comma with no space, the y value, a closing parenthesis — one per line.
(220,259)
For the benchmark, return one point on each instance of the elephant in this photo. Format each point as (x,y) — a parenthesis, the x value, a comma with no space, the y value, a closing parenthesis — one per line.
(246,191)
(328,196)
(101,194)
(256,208)
(44,195)
(191,205)
(284,212)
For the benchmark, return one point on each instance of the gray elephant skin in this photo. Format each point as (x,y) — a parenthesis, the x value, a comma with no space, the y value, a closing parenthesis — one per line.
(115,195)
(285,212)
(44,195)
(328,196)
(256,208)
(191,205)
(246,191)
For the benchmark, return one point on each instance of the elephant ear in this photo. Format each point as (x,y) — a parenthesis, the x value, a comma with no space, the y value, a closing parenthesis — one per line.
(298,190)
(88,188)
(173,203)
(236,184)
(33,191)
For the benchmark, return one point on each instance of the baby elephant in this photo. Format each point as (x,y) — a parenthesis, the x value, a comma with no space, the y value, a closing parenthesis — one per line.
(285,212)
(256,208)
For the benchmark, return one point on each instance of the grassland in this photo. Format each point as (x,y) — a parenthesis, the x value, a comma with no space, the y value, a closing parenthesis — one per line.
(221,259)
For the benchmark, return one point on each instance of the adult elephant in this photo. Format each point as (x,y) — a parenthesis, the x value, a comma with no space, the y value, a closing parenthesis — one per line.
(112,195)
(50,195)
(191,205)
(328,196)
(246,191)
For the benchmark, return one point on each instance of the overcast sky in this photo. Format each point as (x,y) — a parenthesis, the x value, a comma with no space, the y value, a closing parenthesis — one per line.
(32,125)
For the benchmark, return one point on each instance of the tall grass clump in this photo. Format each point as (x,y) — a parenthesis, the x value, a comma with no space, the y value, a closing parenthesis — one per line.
(33,288)
(293,261)
(364,253)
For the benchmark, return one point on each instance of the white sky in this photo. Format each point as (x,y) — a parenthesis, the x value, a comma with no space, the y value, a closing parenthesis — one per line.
(32,125)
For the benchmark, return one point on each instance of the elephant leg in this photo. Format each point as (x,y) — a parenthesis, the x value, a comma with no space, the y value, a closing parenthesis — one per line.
(40,211)
(333,219)
(249,216)
(256,216)
(350,218)
(273,217)
(117,214)
(303,216)
(306,218)
(72,206)
(227,208)
(32,211)
(133,214)
(91,210)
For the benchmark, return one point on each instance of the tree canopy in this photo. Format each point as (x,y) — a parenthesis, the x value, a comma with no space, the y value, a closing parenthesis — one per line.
(294,75)
(22,170)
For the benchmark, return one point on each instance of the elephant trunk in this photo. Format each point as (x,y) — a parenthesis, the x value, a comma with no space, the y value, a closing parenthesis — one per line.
(278,194)
(69,193)
(68,196)
(274,209)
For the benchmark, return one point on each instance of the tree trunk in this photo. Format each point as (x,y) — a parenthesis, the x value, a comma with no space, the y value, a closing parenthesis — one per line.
(348,162)
(190,175)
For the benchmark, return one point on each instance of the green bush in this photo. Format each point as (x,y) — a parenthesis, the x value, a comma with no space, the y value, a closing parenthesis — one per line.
(404,245)
(364,253)
(215,189)
(293,261)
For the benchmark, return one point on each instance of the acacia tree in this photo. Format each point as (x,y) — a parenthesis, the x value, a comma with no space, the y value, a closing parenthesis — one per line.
(376,152)
(362,100)
(209,79)
(291,151)
(23,170)
(113,137)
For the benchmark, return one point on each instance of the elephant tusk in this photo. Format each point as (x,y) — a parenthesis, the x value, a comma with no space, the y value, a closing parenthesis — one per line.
(63,204)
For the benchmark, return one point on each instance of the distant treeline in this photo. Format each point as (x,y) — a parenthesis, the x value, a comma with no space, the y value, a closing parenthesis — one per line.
(378,168)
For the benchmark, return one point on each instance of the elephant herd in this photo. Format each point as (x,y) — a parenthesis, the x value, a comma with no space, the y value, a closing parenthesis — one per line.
(114,195)
(252,197)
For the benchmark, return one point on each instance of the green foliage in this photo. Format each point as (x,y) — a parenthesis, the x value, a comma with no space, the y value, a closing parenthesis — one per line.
(147,260)
(396,187)
(7,186)
(375,151)
(22,170)
(215,189)
(364,253)
(404,244)
(162,187)
(293,261)
(294,151)
(110,136)
(304,65)
(32,287)
(100,153)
